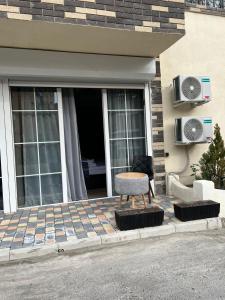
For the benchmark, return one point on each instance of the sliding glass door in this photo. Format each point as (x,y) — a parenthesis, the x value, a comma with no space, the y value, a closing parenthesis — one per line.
(35,115)
(127,130)
(32,145)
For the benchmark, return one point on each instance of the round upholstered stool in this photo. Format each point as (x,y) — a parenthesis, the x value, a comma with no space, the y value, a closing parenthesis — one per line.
(132,184)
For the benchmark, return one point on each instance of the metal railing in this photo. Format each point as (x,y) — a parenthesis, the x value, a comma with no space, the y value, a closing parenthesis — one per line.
(218,4)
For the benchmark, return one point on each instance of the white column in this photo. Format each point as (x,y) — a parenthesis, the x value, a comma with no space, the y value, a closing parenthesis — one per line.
(148,118)
(4,159)
(62,146)
(9,159)
(107,145)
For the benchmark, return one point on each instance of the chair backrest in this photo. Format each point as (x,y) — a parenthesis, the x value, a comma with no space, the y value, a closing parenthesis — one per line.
(143,164)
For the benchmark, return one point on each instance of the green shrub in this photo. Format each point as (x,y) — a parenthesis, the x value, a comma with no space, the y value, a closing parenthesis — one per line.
(211,166)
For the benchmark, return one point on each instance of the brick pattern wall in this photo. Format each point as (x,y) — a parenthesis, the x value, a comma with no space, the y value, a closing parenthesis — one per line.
(139,15)
(157,132)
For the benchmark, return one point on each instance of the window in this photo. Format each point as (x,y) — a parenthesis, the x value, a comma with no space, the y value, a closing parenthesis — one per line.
(37,146)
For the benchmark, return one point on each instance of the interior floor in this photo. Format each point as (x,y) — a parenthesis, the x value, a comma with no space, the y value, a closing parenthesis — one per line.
(97,193)
(91,136)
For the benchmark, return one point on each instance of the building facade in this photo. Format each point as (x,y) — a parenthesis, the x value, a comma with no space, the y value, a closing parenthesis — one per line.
(101,54)
(199,52)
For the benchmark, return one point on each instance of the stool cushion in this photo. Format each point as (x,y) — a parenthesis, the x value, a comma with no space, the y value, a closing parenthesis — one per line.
(131,183)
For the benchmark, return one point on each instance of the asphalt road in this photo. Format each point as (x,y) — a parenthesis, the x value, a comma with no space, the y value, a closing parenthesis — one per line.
(184,266)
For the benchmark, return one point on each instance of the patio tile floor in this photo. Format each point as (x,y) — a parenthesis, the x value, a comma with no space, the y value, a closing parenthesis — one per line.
(62,222)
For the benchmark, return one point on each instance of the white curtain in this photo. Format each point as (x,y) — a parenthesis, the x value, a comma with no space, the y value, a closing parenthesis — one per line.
(76,183)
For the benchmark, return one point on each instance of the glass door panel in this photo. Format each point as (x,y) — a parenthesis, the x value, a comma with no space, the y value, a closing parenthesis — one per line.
(117,124)
(37,146)
(28,191)
(127,129)
(136,147)
(118,150)
(51,188)
(24,124)
(48,126)
(26,156)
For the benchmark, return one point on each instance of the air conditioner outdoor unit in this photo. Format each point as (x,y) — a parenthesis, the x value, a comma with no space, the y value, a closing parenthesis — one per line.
(192,89)
(190,130)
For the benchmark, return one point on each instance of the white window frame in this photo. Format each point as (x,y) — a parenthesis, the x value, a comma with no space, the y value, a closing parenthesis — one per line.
(8,162)
(61,141)
(62,146)
(4,156)
(106,141)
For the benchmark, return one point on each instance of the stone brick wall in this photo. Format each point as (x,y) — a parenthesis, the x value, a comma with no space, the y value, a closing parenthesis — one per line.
(158,132)
(139,15)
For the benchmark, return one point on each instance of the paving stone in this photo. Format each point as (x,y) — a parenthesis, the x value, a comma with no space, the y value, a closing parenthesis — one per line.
(101,232)
(73,220)
(16,245)
(70,232)
(60,239)
(5,244)
(81,235)
(91,234)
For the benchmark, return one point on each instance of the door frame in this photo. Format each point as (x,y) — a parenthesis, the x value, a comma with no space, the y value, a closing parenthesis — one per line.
(6,132)
(147,111)
(7,149)
(106,141)
(3,152)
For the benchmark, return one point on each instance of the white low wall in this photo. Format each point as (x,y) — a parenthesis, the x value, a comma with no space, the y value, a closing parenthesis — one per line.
(202,190)
(177,189)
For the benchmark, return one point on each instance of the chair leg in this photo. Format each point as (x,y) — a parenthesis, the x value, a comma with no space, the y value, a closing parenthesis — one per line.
(121,199)
(143,197)
(151,190)
(149,197)
(149,194)
(128,197)
(133,201)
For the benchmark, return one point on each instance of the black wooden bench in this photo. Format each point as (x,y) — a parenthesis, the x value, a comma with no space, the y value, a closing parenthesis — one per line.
(128,219)
(188,211)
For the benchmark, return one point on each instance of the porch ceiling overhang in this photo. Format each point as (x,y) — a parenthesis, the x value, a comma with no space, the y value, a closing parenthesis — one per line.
(83,39)
(63,67)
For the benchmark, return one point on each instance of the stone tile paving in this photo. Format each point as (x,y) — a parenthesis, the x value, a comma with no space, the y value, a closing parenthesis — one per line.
(62,222)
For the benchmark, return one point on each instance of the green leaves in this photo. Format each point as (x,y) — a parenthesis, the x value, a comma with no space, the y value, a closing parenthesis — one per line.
(211,166)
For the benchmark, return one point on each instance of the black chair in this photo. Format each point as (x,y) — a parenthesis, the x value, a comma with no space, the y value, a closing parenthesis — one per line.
(143,164)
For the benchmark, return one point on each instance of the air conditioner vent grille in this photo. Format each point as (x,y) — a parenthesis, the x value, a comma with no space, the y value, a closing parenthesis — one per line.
(193,130)
(191,88)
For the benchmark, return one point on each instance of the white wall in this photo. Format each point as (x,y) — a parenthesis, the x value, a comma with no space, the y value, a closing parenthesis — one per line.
(202,190)
(200,52)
